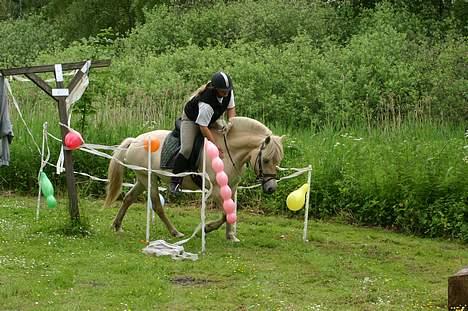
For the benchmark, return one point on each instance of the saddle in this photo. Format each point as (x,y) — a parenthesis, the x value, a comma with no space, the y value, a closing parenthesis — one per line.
(171,148)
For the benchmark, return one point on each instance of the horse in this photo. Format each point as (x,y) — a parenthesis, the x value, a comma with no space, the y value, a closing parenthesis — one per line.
(245,141)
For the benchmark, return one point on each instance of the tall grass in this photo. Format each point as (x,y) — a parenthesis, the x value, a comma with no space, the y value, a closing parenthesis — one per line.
(412,178)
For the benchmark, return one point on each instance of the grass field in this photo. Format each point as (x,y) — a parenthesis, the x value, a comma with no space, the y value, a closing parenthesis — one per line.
(341,268)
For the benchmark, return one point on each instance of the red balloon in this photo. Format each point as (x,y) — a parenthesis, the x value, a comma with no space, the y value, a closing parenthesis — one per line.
(73,140)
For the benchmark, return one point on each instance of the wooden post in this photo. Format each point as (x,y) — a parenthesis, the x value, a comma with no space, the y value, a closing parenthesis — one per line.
(60,94)
(458,290)
(68,159)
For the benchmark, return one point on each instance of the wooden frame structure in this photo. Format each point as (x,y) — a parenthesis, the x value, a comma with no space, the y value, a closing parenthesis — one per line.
(60,94)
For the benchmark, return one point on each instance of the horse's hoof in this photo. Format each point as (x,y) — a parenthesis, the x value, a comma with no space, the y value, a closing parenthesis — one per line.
(116,228)
(233,239)
(178,234)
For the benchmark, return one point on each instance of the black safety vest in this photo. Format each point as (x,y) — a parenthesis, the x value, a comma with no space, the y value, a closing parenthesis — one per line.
(209,97)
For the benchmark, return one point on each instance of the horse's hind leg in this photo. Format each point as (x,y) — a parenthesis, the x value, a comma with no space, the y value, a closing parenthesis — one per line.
(162,215)
(214,225)
(129,198)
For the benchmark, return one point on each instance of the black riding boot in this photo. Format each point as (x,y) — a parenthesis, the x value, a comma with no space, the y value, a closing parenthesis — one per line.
(181,165)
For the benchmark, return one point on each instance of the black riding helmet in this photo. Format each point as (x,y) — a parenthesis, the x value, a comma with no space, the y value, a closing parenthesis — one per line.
(221,81)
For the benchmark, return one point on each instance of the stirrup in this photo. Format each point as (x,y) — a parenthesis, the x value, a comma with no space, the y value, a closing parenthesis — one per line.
(174,187)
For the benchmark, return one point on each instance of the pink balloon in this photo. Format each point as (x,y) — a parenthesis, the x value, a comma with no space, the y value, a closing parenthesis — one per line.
(225,192)
(229,206)
(73,140)
(212,150)
(222,178)
(231,218)
(217,164)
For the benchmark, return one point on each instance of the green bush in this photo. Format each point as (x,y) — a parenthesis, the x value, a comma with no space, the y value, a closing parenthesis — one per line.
(224,23)
(24,39)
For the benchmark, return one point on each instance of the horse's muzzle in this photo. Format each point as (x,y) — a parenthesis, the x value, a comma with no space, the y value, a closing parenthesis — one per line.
(270,186)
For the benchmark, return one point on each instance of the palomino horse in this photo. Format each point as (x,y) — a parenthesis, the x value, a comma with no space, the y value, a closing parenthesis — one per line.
(247,141)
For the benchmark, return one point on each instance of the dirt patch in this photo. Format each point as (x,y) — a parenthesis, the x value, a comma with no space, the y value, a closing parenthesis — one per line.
(184,280)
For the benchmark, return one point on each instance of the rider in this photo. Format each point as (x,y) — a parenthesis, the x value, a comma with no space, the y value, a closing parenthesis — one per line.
(202,110)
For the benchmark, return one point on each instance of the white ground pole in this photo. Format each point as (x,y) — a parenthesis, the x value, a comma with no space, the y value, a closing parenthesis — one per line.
(306,213)
(148,203)
(203,207)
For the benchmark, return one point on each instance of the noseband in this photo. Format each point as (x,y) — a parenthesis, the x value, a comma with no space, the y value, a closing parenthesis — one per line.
(261,176)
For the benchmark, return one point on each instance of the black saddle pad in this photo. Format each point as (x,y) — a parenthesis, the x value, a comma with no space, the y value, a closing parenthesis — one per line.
(171,148)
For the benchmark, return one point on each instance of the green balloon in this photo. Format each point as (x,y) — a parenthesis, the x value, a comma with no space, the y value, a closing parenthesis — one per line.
(46,186)
(51,202)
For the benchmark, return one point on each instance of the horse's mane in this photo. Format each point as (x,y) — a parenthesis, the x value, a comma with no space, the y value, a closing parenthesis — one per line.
(250,125)
(273,150)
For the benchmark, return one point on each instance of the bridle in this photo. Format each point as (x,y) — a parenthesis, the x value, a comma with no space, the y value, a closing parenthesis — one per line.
(261,175)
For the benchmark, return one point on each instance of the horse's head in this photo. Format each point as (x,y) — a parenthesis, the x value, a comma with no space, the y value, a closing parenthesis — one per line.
(253,142)
(265,160)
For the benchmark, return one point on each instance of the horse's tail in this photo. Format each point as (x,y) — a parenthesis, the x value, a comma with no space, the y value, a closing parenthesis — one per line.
(115,172)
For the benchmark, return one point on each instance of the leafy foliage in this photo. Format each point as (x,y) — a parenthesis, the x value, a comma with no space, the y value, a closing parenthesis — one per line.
(323,71)
(24,39)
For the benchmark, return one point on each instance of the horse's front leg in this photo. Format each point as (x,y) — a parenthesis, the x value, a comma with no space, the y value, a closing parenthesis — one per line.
(230,229)
(231,233)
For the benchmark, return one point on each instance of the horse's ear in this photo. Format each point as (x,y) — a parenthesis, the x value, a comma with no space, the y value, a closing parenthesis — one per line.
(283,138)
(267,140)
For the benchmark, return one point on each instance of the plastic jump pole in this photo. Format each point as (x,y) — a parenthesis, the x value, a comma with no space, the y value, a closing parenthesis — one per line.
(202,212)
(148,203)
(306,213)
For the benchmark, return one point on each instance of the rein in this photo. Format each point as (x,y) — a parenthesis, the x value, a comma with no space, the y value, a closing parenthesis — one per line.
(229,154)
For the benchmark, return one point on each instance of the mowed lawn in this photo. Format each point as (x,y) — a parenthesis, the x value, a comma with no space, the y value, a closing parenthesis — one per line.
(342,267)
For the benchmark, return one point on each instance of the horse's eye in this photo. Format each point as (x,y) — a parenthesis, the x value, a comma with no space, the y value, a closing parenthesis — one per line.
(266,161)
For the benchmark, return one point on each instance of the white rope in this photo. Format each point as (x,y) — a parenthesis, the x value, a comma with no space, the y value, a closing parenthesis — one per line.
(148,201)
(299,171)
(92,149)
(21,115)
(45,142)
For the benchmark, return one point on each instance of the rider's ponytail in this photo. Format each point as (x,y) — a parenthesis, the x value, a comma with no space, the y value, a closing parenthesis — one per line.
(200,90)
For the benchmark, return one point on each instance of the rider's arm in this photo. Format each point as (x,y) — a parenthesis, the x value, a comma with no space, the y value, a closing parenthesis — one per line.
(204,116)
(231,112)
(231,108)
(206,132)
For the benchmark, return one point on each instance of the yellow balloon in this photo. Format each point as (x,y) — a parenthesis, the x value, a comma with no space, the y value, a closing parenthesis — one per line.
(296,199)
